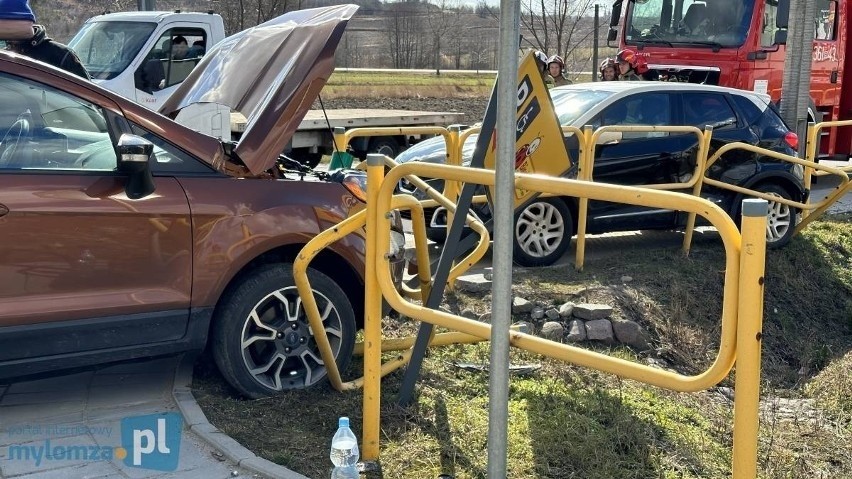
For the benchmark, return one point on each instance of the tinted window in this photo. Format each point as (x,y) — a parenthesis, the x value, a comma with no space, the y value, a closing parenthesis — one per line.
(44,128)
(643,109)
(747,107)
(702,109)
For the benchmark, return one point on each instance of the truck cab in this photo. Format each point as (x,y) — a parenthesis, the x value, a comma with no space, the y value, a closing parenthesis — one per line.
(144,56)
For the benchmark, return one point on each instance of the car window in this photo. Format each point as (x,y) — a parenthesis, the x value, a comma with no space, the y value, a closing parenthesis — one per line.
(169,158)
(702,109)
(653,109)
(570,104)
(44,128)
(750,111)
(172,58)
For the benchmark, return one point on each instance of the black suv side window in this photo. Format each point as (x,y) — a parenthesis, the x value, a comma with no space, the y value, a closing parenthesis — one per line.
(702,109)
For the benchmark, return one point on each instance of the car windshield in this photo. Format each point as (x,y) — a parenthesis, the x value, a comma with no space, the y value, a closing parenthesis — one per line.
(570,104)
(714,23)
(107,48)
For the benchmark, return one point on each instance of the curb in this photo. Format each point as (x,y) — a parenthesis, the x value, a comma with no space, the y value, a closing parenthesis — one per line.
(196,421)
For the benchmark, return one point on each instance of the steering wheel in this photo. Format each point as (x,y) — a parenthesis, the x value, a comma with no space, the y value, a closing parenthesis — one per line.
(19,131)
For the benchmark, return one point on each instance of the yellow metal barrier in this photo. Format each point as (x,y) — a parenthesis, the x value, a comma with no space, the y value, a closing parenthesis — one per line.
(741,310)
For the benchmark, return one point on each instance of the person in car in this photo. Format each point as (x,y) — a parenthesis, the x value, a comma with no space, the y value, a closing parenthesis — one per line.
(24,37)
(556,68)
(180,47)
(608,70)
(630,65)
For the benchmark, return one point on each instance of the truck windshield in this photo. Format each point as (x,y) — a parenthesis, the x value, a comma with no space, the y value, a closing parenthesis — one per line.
(713,23)
(107,48)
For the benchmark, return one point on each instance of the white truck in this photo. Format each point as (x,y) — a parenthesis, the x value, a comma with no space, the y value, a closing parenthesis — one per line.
(145,55)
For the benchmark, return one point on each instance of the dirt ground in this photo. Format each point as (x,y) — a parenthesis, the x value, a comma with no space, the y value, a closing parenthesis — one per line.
(473,108)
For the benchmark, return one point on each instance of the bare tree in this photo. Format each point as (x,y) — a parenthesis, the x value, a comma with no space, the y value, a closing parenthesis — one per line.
(442,19)
(558,26)
(404,34)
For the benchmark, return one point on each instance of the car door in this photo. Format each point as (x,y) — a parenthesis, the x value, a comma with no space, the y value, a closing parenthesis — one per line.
(173,56)
(716,109)
(635,158)
(82,266)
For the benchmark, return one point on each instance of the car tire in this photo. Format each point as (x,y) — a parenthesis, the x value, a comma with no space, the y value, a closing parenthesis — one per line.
(438,235)
(781,219)
(542,232)
(261,340)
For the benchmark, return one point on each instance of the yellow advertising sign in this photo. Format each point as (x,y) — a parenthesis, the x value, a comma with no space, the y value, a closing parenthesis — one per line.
(539,142)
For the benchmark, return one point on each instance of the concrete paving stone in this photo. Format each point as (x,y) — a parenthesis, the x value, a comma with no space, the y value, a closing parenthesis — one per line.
(61,383)
(269,468)
(92,470)
(44,397)
(118,410)
(152,379)
(129,395)
(233,450)
(57,413)
(39,431)
(33,456)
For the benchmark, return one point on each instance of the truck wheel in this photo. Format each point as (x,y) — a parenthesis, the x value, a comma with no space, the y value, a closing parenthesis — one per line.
(543,231)
(261,340)
(385,145)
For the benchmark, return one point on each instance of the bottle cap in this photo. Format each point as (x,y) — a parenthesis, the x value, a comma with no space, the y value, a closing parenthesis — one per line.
(343,422)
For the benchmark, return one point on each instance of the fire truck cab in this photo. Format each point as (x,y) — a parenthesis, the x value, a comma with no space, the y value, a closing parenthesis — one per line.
(742,44)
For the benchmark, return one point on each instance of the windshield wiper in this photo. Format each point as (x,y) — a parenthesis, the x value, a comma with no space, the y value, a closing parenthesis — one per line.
(716,45)
(655,41)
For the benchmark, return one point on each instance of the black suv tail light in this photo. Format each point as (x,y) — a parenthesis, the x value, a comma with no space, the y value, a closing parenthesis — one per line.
(792,139)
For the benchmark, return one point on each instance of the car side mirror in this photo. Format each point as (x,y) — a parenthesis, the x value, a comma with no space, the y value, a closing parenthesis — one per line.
(610,138)
(134,153)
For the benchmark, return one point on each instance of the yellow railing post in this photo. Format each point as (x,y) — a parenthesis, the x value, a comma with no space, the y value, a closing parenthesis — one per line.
(584,173)
(700,160)
(749,332)
(372,315)
(340,142)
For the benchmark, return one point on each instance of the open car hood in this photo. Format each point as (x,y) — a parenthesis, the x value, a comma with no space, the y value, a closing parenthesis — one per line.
(272,74)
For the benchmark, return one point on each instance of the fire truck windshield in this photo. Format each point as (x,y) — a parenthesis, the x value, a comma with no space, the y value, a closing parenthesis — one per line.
(714,23)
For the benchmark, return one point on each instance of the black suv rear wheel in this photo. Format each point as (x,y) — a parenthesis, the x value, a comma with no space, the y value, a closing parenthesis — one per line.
(262,342)
(781,219)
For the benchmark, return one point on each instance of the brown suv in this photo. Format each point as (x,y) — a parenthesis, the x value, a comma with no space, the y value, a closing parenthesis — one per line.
(126,235)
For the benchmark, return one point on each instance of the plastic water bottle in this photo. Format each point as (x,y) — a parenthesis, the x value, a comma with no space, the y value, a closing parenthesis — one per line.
(344,445)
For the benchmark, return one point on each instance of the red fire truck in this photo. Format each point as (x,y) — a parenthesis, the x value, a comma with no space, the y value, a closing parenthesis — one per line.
(741,44)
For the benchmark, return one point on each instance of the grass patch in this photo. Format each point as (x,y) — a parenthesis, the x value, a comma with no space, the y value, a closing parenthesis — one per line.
(566,421)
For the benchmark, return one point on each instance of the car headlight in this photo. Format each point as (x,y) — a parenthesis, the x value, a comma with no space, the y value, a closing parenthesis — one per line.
(354,181)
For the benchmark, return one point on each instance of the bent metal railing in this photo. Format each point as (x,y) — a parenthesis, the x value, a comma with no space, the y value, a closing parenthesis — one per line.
(741,309)
(587,142)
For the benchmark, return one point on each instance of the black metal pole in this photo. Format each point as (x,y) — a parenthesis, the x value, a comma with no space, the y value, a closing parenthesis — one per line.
(595,44)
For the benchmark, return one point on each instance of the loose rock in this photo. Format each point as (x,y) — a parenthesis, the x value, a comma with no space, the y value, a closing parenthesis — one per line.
(537,312)
(488,273)
(632,334)
(600,330)
(552,330)
(523,327)
(468,313)
(485,317)
(473,283)
(566,310)
(591,312)
(521,305)
(552,313)
(576,331)
(626,279)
